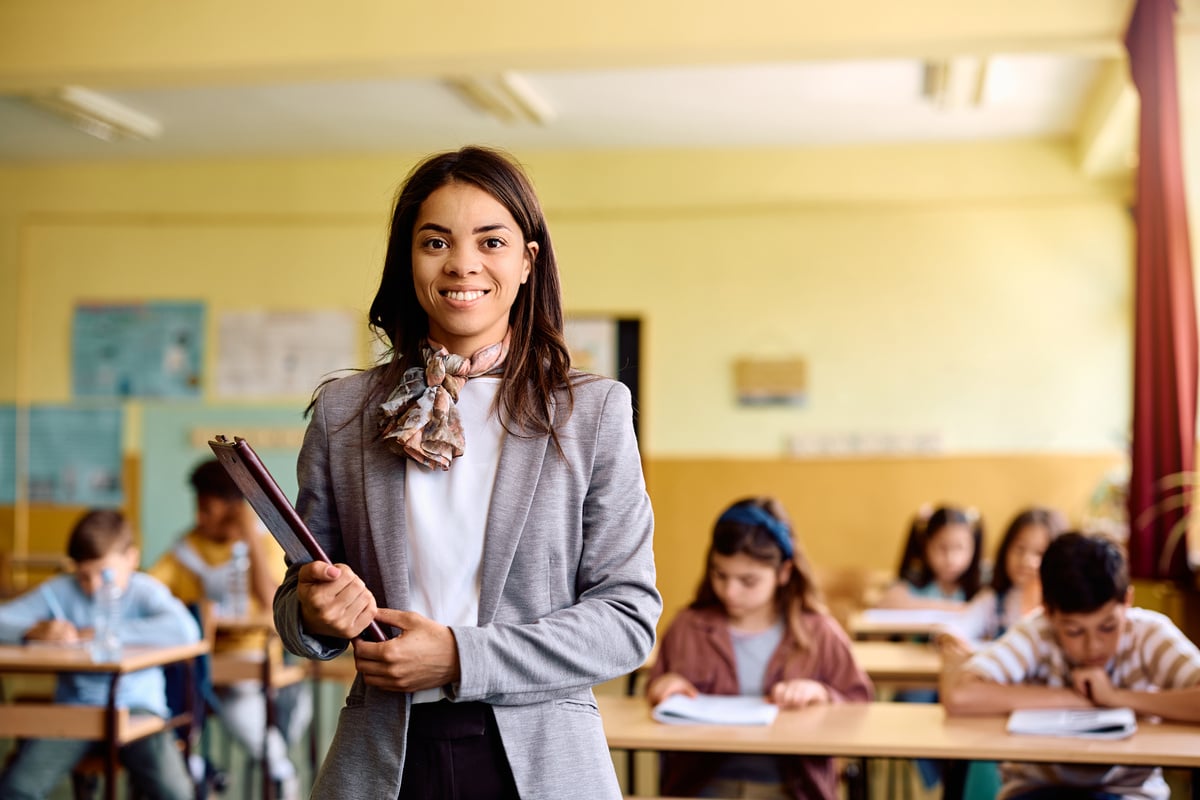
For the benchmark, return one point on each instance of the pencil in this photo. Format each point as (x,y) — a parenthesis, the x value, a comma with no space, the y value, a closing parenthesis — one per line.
(56,609)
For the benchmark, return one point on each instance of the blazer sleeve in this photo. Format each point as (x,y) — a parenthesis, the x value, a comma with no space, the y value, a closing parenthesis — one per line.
(316,506)
(609,629)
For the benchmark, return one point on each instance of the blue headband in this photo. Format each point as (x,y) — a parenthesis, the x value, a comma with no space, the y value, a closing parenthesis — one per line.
(759,517)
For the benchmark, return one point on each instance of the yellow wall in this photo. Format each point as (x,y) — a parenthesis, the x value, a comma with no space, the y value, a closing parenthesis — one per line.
(979,292)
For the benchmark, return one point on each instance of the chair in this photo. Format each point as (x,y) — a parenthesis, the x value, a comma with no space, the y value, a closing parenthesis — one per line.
(273,673)
(849,590)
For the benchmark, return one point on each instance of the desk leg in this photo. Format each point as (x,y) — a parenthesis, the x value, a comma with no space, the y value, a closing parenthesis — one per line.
(954,779)
(314,729)
(110,736)
(268,788)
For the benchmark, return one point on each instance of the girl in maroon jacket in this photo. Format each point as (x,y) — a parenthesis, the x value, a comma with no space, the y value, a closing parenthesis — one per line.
(757,627)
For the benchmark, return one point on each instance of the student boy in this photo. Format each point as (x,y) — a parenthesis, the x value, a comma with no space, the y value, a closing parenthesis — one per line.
(199,567)
(61,609)
(1089,648)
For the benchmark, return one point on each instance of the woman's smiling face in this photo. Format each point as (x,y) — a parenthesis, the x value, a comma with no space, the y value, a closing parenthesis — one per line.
(469,260)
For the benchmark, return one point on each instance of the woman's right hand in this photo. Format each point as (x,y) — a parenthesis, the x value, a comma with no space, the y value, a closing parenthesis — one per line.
(334,601)
(668,684)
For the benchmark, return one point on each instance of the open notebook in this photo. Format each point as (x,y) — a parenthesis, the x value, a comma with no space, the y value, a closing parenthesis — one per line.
(1091,723)
(709,709)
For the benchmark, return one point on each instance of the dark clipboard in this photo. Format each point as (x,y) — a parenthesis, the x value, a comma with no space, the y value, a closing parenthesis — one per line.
(273,508)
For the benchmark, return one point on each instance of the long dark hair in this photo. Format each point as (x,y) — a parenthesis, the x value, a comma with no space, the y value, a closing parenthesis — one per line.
(536,391)
(1051,521)
(729,538)
(914,565)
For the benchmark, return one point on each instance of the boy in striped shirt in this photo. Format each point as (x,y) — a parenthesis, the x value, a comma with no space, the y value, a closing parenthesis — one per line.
(1088,648)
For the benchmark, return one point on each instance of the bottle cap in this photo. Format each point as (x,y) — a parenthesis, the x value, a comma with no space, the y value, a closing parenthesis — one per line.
(240,548)
(108,575)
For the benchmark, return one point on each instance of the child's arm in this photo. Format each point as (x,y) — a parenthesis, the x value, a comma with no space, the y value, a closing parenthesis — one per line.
(34,615)
(837,678)
(158,617)
(996,679)
(667,684)
(1172,664)
(898,595)
(965,692)
(1182,705)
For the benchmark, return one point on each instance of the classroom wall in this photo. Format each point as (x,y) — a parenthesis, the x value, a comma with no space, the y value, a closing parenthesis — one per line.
(976,295)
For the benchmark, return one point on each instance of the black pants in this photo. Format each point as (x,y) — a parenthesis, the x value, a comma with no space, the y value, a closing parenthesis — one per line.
(454,752)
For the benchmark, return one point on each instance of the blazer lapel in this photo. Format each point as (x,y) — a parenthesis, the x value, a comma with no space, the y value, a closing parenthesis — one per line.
(383,494)
(520,467)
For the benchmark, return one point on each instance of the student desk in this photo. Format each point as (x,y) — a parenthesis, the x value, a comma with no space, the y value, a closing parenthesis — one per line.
(267,668)
(876,623)
(895,730)
(113,726)
(899,665)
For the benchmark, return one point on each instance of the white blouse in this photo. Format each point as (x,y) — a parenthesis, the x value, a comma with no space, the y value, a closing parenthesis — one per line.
(446,515)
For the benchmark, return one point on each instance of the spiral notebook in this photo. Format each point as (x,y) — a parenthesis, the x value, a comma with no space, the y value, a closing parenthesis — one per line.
(273,507)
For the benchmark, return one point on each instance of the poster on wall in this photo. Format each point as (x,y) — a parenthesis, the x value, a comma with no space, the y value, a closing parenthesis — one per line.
(75,456)
(593,344)
(152,349)
(279,353)
(8,455)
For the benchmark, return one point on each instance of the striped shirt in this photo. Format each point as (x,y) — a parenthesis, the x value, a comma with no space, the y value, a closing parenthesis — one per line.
(1153,654)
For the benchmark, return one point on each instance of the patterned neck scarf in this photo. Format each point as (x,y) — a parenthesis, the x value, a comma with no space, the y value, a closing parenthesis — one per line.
(420,418)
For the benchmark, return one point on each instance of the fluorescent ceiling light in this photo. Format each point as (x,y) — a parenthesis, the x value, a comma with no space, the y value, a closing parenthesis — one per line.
(955,83)
(98,115)
(507,97)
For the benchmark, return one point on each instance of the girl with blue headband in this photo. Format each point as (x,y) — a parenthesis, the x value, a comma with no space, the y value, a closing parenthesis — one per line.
(757,627)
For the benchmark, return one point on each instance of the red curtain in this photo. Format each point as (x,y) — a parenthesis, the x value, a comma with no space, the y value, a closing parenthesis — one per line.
(1164,358)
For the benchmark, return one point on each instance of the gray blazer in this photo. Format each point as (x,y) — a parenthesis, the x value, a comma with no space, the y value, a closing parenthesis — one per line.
(567,596)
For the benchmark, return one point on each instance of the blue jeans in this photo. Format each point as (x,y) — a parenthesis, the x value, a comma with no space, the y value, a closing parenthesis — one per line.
(155,766)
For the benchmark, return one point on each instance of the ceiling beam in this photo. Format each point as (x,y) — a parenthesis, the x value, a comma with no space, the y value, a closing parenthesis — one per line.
(1107,133)
(148,43)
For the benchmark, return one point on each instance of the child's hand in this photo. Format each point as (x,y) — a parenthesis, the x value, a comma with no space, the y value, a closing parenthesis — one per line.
(334,601)
(1094,684)
(952,647)
(666,685)
(798,693)
(53,630)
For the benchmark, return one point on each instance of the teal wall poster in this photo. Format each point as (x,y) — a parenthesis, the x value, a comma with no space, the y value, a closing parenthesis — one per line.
(153,349)
(75,456)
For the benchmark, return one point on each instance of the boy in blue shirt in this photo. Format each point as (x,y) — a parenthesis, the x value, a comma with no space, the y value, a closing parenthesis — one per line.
(61,610)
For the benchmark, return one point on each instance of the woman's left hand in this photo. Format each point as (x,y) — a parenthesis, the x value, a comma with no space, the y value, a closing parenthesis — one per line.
(798,693)
(423,656)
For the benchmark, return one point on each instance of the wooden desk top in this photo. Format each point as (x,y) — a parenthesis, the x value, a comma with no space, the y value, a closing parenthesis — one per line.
(261,621)
(875,622)
(45,658)
(894,730)
(905,663)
